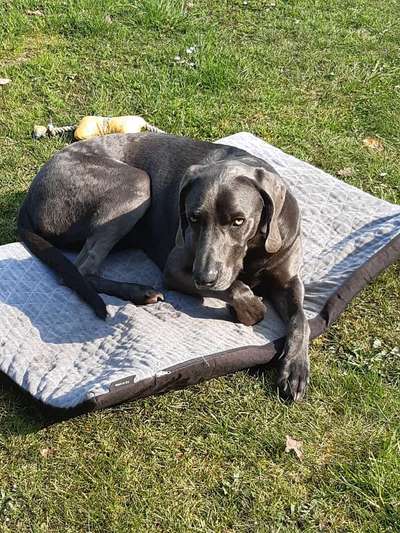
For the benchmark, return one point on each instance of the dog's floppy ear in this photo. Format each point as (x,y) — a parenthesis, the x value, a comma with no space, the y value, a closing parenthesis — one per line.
(273,192)
(187,180)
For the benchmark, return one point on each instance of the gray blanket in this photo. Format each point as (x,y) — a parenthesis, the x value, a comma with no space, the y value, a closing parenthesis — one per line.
(53,346)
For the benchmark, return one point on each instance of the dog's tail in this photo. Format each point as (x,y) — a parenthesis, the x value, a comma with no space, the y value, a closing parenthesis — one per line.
(56,260)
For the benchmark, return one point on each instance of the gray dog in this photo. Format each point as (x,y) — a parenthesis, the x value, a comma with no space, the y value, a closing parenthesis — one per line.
(217,220)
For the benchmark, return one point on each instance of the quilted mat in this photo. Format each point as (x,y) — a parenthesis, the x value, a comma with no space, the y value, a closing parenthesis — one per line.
(53,346)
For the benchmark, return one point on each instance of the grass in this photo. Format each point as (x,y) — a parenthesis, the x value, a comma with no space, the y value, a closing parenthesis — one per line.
(312,77)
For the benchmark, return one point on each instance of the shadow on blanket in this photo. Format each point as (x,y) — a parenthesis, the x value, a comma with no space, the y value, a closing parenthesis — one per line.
(52,308)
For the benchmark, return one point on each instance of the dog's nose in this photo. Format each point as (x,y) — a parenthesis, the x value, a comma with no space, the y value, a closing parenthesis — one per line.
(206,279)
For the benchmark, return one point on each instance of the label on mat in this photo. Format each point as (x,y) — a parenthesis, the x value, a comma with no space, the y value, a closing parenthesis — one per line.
(121,383)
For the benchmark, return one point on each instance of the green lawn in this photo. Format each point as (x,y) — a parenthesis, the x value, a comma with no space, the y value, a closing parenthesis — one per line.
(313,77)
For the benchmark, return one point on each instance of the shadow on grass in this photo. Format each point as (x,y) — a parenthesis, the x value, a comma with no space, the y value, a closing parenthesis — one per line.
(23,414)
(9,205)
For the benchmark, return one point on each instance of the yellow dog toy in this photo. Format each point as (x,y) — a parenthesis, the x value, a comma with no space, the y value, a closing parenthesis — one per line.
(92,126)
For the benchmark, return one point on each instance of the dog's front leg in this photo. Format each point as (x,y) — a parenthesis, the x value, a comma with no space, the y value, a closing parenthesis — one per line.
(248,307)
(294,366)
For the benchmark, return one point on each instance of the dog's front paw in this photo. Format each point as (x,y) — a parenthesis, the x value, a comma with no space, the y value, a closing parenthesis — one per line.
(151,296)
(249,309)
(143,295)
(293,377)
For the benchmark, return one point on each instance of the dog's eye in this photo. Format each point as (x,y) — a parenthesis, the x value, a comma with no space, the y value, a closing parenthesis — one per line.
(193,219)
(238,222)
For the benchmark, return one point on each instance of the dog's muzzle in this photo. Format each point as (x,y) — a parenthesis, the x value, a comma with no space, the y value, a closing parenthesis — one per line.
(206,279)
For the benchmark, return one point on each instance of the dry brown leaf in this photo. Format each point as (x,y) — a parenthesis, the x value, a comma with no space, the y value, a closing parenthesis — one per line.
(4,81)
(373,143)
(47,452)
(295,446)
(35,13)
(345,172)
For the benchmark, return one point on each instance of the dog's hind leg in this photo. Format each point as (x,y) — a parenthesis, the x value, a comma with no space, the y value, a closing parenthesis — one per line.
(115,217)
(133,292)
(99,244)
(122,207)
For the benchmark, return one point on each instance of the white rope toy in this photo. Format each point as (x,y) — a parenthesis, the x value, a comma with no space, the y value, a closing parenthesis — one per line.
(94,126)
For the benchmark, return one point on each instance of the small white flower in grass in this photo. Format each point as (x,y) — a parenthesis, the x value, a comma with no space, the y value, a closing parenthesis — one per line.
(376,344)
(35,12)
(177,58)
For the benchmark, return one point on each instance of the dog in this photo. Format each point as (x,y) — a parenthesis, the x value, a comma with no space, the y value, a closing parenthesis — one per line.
(218,221)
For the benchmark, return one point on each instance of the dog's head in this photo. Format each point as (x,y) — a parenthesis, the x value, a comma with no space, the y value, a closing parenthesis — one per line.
(223,206)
